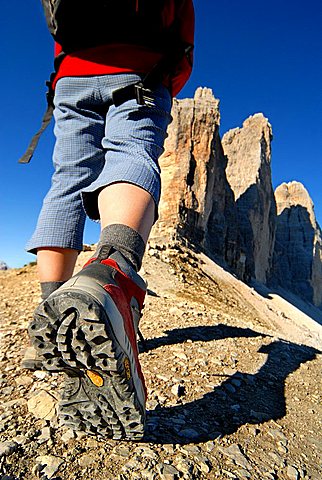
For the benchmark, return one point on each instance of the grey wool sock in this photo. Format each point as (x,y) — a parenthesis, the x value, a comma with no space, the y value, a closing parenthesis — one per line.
(47,288)
(124,240)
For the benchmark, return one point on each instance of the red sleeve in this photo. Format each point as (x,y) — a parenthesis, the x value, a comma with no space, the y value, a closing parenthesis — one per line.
(58,49)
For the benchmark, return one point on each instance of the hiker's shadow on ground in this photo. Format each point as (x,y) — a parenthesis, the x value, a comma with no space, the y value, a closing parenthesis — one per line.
(197,334)
(241,399)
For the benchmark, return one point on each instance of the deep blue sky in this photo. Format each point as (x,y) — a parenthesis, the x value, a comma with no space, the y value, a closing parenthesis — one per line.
(256,56)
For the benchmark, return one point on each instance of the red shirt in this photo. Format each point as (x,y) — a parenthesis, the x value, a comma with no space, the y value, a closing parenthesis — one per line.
(122,58)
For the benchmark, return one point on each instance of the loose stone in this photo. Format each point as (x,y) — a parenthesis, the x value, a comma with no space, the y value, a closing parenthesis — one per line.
(234,452)
(292,473)
(8,447)
(189,433)
(42,405)
(278,435)
(167,472)
(48,465)
(69,435)
(230,388)
(86,460)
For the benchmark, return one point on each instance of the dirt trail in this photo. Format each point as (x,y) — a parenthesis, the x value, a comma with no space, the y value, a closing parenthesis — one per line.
(233,376)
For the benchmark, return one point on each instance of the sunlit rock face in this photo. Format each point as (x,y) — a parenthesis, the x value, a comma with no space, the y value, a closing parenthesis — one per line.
(197,202)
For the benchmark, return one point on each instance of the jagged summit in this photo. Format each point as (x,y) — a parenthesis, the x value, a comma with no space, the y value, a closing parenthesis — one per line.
(217,193)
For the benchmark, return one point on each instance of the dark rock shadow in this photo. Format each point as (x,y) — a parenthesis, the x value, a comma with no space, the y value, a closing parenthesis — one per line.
(293,260)
(239,400)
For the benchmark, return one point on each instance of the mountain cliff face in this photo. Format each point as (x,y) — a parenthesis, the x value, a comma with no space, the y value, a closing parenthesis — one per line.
(248,151)
(197,202)
(218,195)
(298,245)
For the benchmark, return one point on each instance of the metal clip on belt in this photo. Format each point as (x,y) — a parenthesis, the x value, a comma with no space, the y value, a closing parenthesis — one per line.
(143,96)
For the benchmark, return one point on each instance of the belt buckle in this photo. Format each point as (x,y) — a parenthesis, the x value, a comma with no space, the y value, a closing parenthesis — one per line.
(143,96)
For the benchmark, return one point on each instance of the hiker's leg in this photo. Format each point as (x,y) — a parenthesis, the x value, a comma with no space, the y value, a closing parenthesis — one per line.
(56,264)
(96,313)
(78,159)
(127,204)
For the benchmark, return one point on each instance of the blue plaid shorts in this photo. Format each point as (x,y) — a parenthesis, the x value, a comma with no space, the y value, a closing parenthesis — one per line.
(98,144)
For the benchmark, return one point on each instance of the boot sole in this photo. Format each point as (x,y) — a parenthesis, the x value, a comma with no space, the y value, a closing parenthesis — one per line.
(102,395)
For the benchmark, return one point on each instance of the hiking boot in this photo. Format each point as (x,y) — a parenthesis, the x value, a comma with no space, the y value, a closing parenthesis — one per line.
(87,328)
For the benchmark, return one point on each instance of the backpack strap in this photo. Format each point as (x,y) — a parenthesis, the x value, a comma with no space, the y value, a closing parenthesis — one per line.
(27,156)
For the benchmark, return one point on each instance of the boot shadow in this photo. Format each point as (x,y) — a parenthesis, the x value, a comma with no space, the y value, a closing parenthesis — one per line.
(196,334)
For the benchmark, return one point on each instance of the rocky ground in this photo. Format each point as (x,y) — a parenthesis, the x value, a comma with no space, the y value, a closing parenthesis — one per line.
(233,375)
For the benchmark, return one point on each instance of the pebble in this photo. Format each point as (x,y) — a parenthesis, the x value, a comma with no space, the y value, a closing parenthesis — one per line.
(180,355)
(69,435)
(167,472)
(229,371)
(45,435)
(234,452)
(189,433)
(40,374)
(48,465)
(229,474)
(242,473)
(6,415)
(20,439)
(176,311)
(292,473)
(42,405)
(8,447)
(168,449)
(164,378)
(86,460)
(178,390)
(132,464)
(282,449)
(123,451)
(209,446)
(203,463)
(24,380)
(276,458)
(148,453)
(259,416)
(278,435)
(80,435)
(254,431)
(17,402)
(230,388)
(7,390)
(184,466)
(269,475)
(191,449)
(148,474)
